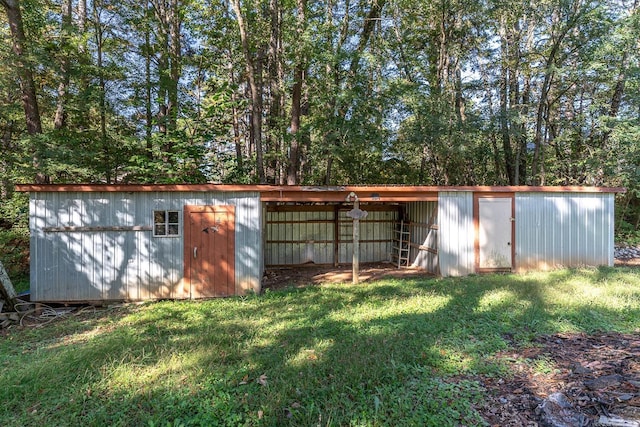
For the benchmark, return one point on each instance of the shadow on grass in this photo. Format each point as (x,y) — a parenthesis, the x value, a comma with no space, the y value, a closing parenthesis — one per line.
(388,353)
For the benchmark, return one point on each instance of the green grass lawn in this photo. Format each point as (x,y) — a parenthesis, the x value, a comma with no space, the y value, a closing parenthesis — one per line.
(393,352)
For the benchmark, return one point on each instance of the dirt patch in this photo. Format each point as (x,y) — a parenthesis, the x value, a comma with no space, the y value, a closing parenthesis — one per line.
(632,262)
(599,375)
(311,274)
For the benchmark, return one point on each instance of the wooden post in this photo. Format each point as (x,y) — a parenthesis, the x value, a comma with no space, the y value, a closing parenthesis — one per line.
(356,214)
(356,243)
(6,288)
(336,235)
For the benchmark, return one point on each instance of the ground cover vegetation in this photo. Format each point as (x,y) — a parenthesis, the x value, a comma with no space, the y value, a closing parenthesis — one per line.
(389,352)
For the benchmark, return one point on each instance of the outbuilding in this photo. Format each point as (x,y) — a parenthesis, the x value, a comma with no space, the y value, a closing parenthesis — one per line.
(138,242)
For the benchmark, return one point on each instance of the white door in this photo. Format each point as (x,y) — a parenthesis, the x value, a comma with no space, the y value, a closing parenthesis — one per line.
(495,232)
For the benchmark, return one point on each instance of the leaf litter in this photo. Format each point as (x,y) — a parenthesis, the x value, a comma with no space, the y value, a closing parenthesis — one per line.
(597,375)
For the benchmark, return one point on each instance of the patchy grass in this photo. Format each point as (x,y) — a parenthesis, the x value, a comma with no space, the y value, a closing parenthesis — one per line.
(393,352)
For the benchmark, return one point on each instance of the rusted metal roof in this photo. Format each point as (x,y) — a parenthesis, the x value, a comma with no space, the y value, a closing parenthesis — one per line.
(302,193)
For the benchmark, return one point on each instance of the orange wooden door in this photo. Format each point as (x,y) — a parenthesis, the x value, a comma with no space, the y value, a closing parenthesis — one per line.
(209,250)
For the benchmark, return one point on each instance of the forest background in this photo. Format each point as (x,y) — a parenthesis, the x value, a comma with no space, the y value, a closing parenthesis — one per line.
(444,92)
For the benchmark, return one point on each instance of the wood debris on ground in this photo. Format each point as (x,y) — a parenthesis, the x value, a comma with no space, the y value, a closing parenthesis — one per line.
(8,299)
(595,377)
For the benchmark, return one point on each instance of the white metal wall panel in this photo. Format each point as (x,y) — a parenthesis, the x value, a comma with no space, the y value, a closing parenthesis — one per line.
(494,232)
(563,230)
(423,214)
(456,234)
(134,265)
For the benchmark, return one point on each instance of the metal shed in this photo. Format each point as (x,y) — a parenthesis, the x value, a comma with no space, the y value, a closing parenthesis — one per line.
(138,242)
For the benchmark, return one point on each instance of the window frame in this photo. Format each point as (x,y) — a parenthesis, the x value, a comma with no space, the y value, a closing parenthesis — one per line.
(167,223)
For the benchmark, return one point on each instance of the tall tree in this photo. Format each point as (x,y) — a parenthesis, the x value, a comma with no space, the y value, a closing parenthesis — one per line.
(296,99)
(564,19)
(65,36)
(25,74)
(27,85)
(254,76)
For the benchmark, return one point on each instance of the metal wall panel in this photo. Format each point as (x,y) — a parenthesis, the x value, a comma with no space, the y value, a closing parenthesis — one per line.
(307,236)
(377,226)
(456,233)
(421,215)
(563,230)
(133,265)
(298,237)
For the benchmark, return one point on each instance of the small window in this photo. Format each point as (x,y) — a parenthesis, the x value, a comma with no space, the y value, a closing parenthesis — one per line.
(166,223)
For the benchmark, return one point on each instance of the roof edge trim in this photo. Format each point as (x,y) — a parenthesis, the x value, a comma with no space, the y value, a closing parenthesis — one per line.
(264,188)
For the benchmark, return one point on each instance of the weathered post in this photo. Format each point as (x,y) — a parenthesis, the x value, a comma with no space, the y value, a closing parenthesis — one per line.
(6,288)
(356,214)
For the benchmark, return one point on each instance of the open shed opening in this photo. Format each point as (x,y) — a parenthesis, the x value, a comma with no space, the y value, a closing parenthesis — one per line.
(402,234)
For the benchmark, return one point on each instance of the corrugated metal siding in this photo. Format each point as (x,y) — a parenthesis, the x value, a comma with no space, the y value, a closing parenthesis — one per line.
(103,265)
(455,233)
(307,236)
(421,215)
(312,227)
(378,225)
(563,230)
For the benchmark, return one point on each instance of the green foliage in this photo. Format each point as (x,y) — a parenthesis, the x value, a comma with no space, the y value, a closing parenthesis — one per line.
(15,257)
(412,93)
(14,239)
(14,212)
(393,352)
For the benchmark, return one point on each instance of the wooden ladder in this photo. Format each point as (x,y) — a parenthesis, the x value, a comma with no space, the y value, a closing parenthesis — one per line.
(401,247)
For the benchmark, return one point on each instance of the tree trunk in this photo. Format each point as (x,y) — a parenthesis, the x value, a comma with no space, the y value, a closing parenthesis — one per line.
(327,174)
(521,158)
(274,134)
(551,63)
(621,79)
(254,71)
(504,112)
(294,152)
(235,115)
(164,74)
(332,78)
(102,94)
(81,23)
(65,31)
(336,108)
(5,146)
(296,97)
(148,101)
(25,74)
(537,165)
(521,151)
(82,16)
(459,98)
(175,57)
(443,53)
(27,85)
(367,29)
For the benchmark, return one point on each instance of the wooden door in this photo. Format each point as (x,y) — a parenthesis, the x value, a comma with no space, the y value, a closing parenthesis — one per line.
(209,250)
(495,233)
